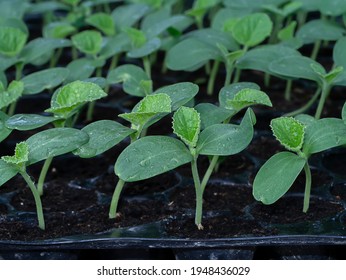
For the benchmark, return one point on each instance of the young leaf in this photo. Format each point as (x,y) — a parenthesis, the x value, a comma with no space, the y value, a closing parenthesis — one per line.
(80,69)
(180,93)
(252,29)
(296,67)
(12,40)
(4,130)
(334,75)
(227,139)
(103,135)
(13,92)
(211,114)
(7,171)
(44,79)
(147,108)
(24,122)
(229,92)
(103,22)
(276,176)
(339,52)
(187,125)
(114,45)
(127,15)
(58,30)
(191,53)
(150,156)
(20,156)
(137,37)
(54,142)
(88,42)
(343,113)
(289,132)
(287,33)
(324,134)
(332,8)
(248,97)
(319,29)
(147,48)
(70,96)
(131,76)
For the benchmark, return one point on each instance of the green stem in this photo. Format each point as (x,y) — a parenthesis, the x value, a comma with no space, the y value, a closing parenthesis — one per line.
(301,17)
(199,194)
(307,187)
(19,72)
(209,171)
(212,77)
(229,72)
(306,106)
(54,59)
(288,90)
(147,66)
(115,199)
(91,106)
(39,210)
(12,108)
(277,26)
(43,175)
(316,49)
(114,62)
(324,95)
(267,79)
(74,53)
(237,76)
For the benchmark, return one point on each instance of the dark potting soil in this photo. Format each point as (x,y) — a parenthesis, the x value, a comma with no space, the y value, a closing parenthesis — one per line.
(215,227)
(90,221)
(3,209)
(264,146)
(335,162)
(216,197)
(339,191)
(288,210)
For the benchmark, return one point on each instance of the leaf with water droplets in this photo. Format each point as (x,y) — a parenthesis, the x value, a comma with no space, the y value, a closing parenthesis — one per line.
(72,95)
(13,92)
(20,156)
(248,97)
(289,132)
(324,134)
(227,139)
(187,125)
(28,121)
(54,142)
(103,135)
(151,156)
(276,176)
(211,114)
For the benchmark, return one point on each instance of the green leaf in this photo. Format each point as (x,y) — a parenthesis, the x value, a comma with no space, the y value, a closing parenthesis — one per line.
(70,96)
(287,33)
(54,142)
(4,130)
(25,122)
(332,8)
(71,2)
(339,52)
(150,156)
(46,6)
(158,27)
(180,93)
(343,113)
(147,48)
(80,69)
(252,29)
(289,132)
(296,67)
(319,29)
(103,22)
(58,30)
(12,40)
(13,92)
(39,47)
(7,171)
(230,91)
(114,45)
(276,176)
(190,54)
(187,125)
(211,114)
(103,135)
(88,42)
(44,79)
(127,15)
(20,156)
(334,74)
(3,81)
(137,37)
(227,139)
(131,76)
(260,57)
(324,134)
(13,8)
(248,97)
(149,107)
(305,119)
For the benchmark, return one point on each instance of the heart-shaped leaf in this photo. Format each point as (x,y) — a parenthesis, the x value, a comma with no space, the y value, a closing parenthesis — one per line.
(88,42)
(103,22)
(12,40)
(229,92)
(58,30)
(13,92)
(248,97)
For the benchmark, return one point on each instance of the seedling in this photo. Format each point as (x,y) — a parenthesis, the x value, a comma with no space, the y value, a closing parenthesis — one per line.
(301,139)
(161,154)
(45,144)
(200,9)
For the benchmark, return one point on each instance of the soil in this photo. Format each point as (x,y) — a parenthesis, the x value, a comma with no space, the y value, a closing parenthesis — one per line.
(339,191)
(335,162)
